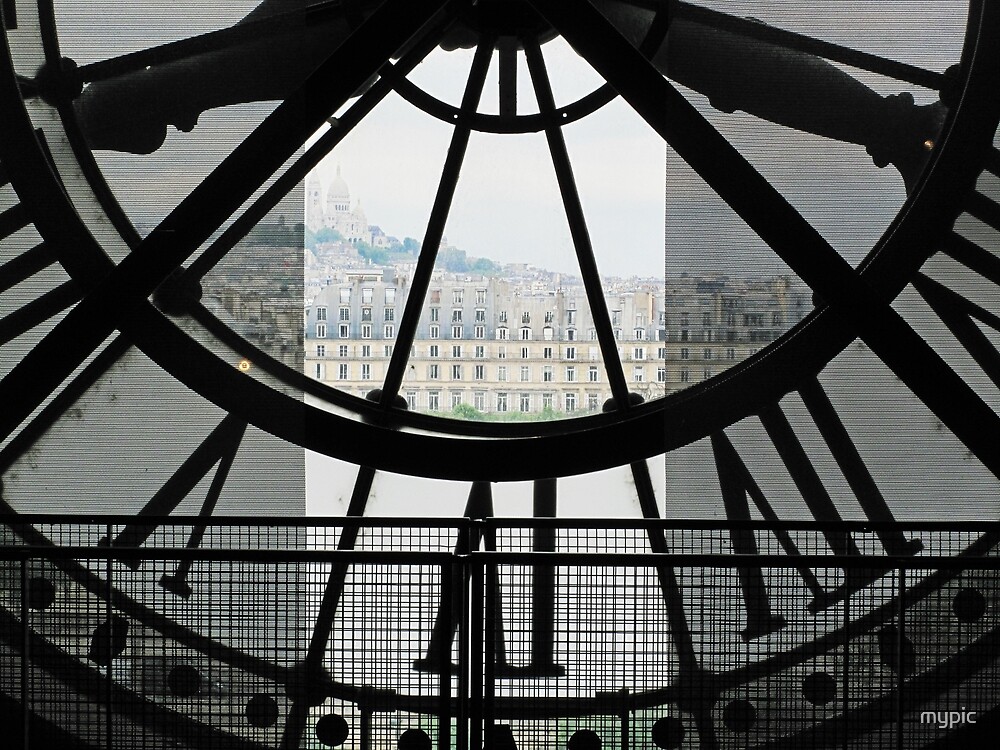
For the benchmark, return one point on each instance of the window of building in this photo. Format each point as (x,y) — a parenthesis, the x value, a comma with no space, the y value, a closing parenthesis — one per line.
(616,317)
(525,334)
(570,374)
(730,354)
(480,372)
(320,350)
(480,332)
(456,332)
(593,334)
(387,350)
(640,334)
(525,317)
(661,353)
(480,352)
(433,350)
(638,352)
(502,373)
(433,401)
(345,314)
(435,296)
(503,316)
(456,372)
(638,375)
(571,334)
(593,353)
(366,371)
(525,352)
(618,334)
(706,319)
(685,376)
(456,351)
(593,374)
(706,354)
(456,399)
(456,315)
(547,352)
(366,351)
(320,313)
(684,334)
(366,315)
(502,333)
(525,402)
(319,371)
(366,331)
(706,374)
(433,372)
(548,333)
(501,352)
(345,296)
(343,371)
(661,374)
(571,317)
(411,400)
(569,399)
(388,331)
(593,402)
(389,314)
(390,295)
(547,374)
(342,350)
(570,352)
(457,296)
(345,331)
(685,353)
(435,314)
(480,296)
(321,330)
(525,374)
(479,400)
(434,332)
(480,315)
(366,296)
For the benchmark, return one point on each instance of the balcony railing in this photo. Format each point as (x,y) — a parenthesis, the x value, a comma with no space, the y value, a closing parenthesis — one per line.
(126,632)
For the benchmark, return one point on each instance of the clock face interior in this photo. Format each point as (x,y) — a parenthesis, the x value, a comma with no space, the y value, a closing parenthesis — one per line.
(640,260)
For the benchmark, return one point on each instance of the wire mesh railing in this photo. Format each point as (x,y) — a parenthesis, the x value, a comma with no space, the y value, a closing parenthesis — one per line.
(126,632)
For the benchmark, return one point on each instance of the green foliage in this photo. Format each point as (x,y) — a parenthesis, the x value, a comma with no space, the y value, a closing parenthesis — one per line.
(323,235)
(467,411)
(411,246)
(376,255)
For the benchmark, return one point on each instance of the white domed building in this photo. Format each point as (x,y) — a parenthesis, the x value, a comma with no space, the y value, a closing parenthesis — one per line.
(337,214)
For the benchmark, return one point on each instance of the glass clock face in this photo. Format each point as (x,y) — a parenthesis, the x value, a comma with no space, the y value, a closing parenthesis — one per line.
(821,345)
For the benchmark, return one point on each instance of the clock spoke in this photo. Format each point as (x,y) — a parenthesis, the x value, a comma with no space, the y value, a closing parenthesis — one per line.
(420,282)
(39,310)
(578,227)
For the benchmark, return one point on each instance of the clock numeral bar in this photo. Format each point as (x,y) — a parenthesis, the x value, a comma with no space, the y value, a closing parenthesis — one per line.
(993,161)
(853,467)
(13,219)
(959,315)
(984,209)
(220,448)
(39,310)
(736,483)
(26,265)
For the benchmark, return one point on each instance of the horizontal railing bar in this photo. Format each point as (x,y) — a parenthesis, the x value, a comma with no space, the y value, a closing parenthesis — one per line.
(495,523)
(528,558)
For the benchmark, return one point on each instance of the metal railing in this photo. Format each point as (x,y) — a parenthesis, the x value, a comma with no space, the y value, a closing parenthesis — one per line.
(530,633)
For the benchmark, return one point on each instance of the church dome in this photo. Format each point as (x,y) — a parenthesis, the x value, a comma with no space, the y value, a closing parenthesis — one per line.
(338,190)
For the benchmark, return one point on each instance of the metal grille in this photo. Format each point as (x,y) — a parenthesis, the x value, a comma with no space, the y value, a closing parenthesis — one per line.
(527,634)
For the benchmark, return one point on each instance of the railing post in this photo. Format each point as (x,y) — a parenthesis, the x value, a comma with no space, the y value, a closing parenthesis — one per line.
(111,651)
(489,662)
(845,697)
(900,666)
(479,650)
(444,685)
(464,573)
(25,657)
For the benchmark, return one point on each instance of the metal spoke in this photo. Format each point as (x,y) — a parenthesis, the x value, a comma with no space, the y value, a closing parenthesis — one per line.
(435,226)
(578,227)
